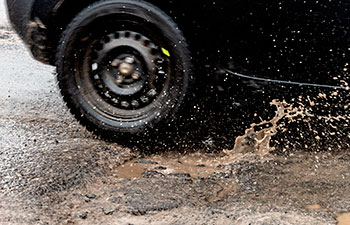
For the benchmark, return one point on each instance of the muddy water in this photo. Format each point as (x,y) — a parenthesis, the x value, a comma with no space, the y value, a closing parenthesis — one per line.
(259,141)
(193,165)
(344,219)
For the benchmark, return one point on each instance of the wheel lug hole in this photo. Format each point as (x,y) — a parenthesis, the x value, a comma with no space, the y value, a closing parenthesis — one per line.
(159,61)
(154,51)
(146,43)
(125,104)
(127,34)
(107,39)
(137,37)
(135,103)
(144,99)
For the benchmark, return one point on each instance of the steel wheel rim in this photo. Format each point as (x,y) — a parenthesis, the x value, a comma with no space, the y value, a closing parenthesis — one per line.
(133,98)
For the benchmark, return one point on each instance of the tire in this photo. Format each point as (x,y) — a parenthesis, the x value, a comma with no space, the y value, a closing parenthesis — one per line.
(123,68)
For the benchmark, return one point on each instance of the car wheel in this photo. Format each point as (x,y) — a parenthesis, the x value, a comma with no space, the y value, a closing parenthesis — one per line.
(123,67)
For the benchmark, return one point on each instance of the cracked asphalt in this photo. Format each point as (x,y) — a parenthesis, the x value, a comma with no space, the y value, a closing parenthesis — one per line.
(53,171)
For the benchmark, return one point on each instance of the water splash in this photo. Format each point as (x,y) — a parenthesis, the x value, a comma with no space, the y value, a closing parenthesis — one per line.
(302,111)
(259,141)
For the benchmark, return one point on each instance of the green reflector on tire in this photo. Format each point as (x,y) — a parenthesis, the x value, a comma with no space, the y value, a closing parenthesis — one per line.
(165,52)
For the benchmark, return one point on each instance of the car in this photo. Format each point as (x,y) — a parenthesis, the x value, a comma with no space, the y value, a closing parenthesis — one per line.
(131,67)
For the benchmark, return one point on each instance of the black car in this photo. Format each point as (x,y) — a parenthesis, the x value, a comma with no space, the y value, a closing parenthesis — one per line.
(130,66)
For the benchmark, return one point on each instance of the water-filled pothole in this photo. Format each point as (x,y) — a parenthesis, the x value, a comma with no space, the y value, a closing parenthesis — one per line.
(194,165)
(343,219)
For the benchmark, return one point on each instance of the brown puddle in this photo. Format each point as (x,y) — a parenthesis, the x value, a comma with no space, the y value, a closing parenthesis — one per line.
(313,207)
(196,165)
(343,219)
(169,164)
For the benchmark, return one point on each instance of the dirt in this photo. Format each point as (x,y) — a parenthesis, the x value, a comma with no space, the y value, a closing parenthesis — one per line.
(53,171)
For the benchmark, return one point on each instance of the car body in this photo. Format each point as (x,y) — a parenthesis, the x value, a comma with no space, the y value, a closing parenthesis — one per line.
(286,41)
(291,40)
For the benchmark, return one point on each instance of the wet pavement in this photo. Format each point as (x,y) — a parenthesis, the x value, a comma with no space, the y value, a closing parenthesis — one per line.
(3,15)
(53,171)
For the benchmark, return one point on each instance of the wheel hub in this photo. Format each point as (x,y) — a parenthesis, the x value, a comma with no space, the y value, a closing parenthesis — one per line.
(128,70)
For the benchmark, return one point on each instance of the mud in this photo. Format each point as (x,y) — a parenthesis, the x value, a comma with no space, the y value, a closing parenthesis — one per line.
(343,219)
(53,171)
(172,164)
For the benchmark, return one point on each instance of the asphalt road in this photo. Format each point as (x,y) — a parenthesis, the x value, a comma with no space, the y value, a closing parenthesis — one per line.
(53,171)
